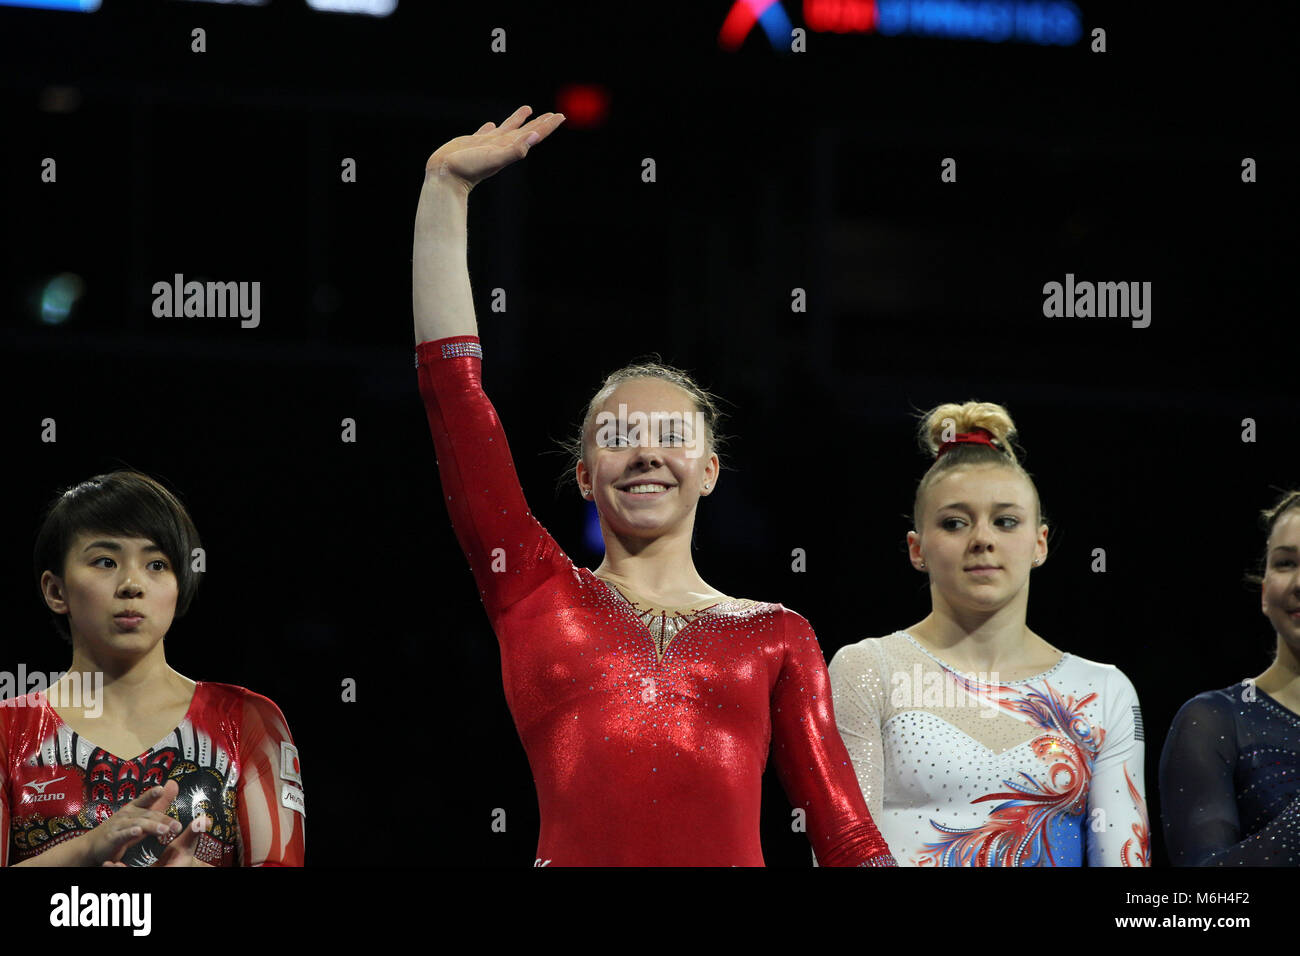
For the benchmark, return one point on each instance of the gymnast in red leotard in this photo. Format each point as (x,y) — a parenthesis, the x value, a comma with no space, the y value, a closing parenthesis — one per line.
(645,699)
(122,761)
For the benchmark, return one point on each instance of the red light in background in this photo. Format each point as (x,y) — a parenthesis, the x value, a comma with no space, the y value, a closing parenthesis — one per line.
(740,20)
(584,105)
(840,16)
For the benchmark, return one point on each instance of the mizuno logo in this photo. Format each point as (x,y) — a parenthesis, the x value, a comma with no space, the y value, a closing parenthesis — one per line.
(40,787)
(40,796)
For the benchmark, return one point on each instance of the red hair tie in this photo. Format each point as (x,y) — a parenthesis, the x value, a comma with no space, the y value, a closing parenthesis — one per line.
(980,436)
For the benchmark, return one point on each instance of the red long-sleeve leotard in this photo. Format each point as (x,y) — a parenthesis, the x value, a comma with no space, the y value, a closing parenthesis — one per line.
(637,761)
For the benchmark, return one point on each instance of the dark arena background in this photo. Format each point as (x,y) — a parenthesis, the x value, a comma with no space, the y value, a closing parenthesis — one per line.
(834,237)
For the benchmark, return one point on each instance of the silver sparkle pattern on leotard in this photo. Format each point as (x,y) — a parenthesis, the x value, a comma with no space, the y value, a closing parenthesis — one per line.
(1230,780)
(663,624)
(462,350)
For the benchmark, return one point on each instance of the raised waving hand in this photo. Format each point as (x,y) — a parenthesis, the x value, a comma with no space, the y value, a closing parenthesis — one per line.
(440,293)
(475,157)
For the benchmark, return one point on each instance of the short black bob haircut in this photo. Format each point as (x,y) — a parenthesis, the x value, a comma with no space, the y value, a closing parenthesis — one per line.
(124,503)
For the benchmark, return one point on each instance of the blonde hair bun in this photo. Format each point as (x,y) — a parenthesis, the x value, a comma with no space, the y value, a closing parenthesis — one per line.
(940,424)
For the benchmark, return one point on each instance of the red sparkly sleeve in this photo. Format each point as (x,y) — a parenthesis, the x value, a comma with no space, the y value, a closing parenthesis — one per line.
(509,552)
(4,787)
(272,812)
(811,760)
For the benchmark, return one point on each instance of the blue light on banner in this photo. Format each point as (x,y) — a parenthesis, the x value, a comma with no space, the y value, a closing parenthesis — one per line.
(591,535)
(745,14)
(76,6)
(59,296)
(776,25)
(1042,22)
(372,8)
(1054,22)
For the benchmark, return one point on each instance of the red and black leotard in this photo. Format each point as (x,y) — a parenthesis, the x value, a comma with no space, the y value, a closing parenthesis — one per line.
(637,761)
(231,755)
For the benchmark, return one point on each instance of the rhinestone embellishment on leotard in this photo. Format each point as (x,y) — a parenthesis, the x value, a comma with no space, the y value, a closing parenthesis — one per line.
(462,350)
(664,624)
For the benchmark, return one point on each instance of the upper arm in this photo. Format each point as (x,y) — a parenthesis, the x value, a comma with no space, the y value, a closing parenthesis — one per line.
(857,692)
(509,552)
(4,793)
(1197,770)
(811,758)
(1117,825)
(801,707)
(271,808)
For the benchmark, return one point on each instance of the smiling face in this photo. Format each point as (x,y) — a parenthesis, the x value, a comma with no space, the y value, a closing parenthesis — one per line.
(979,536)
(1281,590)
(642,489)
(105,575)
